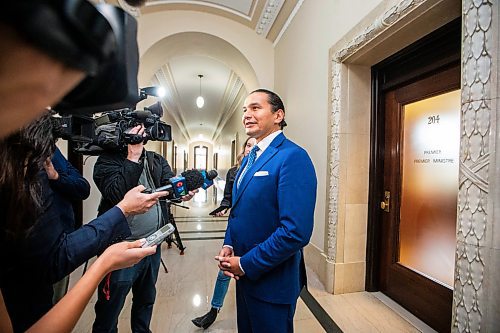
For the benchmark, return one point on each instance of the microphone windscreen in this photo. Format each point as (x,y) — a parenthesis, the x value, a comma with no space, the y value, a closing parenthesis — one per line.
(194,179)
(211,174)
(141,114)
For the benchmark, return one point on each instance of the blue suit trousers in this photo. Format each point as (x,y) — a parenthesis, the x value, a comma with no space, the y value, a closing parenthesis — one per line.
(257,316)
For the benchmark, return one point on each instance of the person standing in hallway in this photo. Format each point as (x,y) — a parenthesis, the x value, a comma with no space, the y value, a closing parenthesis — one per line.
(271,220)
(227,201)
(115,173)
(222,282)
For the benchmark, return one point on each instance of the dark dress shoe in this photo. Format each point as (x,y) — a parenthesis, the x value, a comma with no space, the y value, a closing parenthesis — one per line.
(207,319)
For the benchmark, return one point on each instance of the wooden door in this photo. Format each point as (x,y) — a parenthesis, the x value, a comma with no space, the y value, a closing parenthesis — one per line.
(418,198)
(415,133)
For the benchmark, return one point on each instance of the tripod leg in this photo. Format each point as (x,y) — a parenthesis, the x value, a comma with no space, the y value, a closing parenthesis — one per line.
(164,266)
(169,241)
(177,236)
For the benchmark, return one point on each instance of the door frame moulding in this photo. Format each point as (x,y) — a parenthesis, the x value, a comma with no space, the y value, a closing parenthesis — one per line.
(390,27)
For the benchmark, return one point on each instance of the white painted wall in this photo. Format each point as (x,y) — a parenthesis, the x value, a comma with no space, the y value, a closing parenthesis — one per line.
(301,79)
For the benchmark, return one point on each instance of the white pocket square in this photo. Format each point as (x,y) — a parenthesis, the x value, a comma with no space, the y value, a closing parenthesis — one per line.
(261,173)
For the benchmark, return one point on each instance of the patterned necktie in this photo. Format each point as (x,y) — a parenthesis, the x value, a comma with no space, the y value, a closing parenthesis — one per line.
(251,158)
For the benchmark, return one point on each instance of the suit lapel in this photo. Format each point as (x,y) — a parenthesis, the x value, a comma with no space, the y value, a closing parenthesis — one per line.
(270,151)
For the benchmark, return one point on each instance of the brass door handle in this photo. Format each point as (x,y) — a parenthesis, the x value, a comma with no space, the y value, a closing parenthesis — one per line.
(385,204)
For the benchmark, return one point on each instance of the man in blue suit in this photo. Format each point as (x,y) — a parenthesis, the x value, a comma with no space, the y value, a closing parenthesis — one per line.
(271,220)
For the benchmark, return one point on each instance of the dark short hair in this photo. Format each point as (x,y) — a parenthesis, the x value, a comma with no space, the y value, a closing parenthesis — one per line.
(275,101)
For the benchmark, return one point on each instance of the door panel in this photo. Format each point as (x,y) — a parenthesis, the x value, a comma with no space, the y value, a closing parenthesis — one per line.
(421,140)
(429,186)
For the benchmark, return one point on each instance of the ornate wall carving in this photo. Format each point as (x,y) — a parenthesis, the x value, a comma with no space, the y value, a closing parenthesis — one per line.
(390,17)
(334,163)
(470,258)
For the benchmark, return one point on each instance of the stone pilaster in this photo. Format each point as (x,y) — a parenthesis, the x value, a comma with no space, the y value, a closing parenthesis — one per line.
(477,267)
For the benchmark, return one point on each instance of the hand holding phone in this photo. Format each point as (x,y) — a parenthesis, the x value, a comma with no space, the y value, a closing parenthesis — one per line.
(159,235)
(217,210)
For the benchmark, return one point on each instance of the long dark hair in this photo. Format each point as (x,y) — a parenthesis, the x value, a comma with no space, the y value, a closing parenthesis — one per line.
(22,156)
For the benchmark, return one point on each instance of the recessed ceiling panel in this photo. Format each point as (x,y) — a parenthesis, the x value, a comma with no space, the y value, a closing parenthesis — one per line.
(240,6)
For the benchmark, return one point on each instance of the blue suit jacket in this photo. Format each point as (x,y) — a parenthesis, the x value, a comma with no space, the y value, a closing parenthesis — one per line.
(272,220)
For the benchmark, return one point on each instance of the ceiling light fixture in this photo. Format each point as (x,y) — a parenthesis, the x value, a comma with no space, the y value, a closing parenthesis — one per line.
(200,101)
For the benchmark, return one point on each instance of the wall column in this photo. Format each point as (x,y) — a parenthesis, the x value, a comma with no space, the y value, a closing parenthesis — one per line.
(476,302)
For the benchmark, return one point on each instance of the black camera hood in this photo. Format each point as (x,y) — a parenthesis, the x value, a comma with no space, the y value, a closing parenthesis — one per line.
(71,31)
(100,40)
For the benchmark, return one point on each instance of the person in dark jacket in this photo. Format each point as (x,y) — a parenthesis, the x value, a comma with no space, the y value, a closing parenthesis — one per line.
(222,282)
(35,248)
(70,186)
(226,202)
(114,174)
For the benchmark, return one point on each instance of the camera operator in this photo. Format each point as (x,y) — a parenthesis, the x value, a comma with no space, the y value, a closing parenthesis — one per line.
(115,172)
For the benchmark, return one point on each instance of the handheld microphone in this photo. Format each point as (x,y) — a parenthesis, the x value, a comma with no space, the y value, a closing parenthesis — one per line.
(189,180)
(208,178)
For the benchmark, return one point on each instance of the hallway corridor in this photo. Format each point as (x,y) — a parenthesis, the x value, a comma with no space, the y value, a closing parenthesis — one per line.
(185,291)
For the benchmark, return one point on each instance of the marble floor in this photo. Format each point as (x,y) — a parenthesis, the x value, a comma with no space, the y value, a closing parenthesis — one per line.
(184,292)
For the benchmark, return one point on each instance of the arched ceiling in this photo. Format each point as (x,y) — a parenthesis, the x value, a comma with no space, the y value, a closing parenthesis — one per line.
(175,61)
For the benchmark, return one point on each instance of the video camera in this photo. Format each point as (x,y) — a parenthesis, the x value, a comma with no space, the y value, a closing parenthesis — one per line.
(111,130)
(122,121)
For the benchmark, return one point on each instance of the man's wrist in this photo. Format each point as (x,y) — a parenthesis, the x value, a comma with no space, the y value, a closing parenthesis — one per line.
(122,207)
